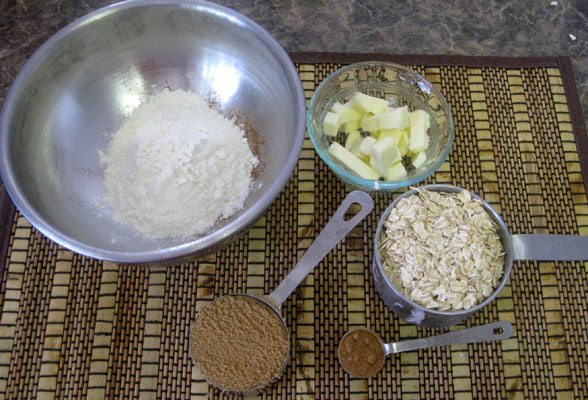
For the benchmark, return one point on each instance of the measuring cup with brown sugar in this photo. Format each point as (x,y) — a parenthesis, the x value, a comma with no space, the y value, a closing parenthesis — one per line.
(362,352)
(240,342)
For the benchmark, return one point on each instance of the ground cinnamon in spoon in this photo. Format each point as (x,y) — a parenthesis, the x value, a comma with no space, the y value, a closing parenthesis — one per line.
(361,353)
(239,343)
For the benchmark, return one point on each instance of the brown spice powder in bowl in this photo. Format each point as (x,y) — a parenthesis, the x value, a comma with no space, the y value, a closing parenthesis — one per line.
(239,343)
(361,353)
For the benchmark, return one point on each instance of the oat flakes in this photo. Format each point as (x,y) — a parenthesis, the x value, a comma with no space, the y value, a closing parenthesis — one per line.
(442,250)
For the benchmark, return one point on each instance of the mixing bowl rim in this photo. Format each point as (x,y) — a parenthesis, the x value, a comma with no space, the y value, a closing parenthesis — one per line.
(489,209)
(377,184)
(249,216)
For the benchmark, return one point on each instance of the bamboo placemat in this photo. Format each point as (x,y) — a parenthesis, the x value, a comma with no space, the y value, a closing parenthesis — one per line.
(73,327)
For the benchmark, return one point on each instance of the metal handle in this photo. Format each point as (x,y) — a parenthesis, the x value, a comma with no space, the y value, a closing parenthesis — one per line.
(550,247)
(485,333)
(334,231)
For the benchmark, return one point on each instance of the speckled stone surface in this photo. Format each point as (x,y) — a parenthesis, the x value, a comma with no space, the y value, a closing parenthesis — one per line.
(481,27)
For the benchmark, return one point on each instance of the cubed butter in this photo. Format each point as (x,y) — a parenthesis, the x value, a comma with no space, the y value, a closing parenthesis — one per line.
(400,135)
(403,145)
(366,145)
(419,124)
(364,103)
(331,124)
(383,154)
(361,102)
(353,142)
(336,107)
(396,134)
(378,106)
(419,158)
(363,157)
(348,114)
(395,171)
(351,162)
(397,118)
(351,126)
(370,124)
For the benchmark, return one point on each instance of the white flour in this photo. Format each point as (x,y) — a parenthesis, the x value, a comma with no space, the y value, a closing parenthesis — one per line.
(175,167)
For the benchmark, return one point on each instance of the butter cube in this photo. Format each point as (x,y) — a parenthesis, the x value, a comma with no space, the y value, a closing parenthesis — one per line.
(364,103)
(336,107)
(400,135)
(419,159)
(395,171)
(378,106)
(397,118)
(331,124)
(363,157)
(396,134)
(351,126)
(419,124)
(351,162)
(366,145)
(361,102)
(403,145)
(353,142)
(383,154)
(348,114)
(370,124)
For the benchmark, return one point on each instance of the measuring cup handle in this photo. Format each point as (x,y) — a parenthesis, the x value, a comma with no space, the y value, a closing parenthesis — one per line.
(334,231)
(543,247)
(484,333)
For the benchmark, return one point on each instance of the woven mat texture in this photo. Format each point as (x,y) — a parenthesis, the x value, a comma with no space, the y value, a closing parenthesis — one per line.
(73,327)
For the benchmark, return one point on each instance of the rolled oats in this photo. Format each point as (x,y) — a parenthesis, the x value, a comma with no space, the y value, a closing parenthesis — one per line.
(442,250)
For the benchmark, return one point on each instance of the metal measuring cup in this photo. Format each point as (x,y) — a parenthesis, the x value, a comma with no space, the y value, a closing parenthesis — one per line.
(500,330)
(516,247)
(335,230)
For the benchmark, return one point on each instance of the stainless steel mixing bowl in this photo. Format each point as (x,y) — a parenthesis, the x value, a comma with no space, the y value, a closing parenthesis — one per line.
(75,91)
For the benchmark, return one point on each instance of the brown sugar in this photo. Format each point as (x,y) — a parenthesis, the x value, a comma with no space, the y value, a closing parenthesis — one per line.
(361,353)
(239,343)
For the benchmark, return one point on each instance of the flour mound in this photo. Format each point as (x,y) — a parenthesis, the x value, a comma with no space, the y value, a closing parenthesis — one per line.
(175,167)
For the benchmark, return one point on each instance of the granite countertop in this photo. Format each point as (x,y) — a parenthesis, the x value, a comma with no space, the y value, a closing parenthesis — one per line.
(481,27)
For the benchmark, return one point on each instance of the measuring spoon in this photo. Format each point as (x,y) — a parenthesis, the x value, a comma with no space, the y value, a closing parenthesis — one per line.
(335,230)
(362,352)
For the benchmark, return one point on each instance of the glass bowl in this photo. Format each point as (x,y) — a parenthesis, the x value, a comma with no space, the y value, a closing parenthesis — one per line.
(400,86)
